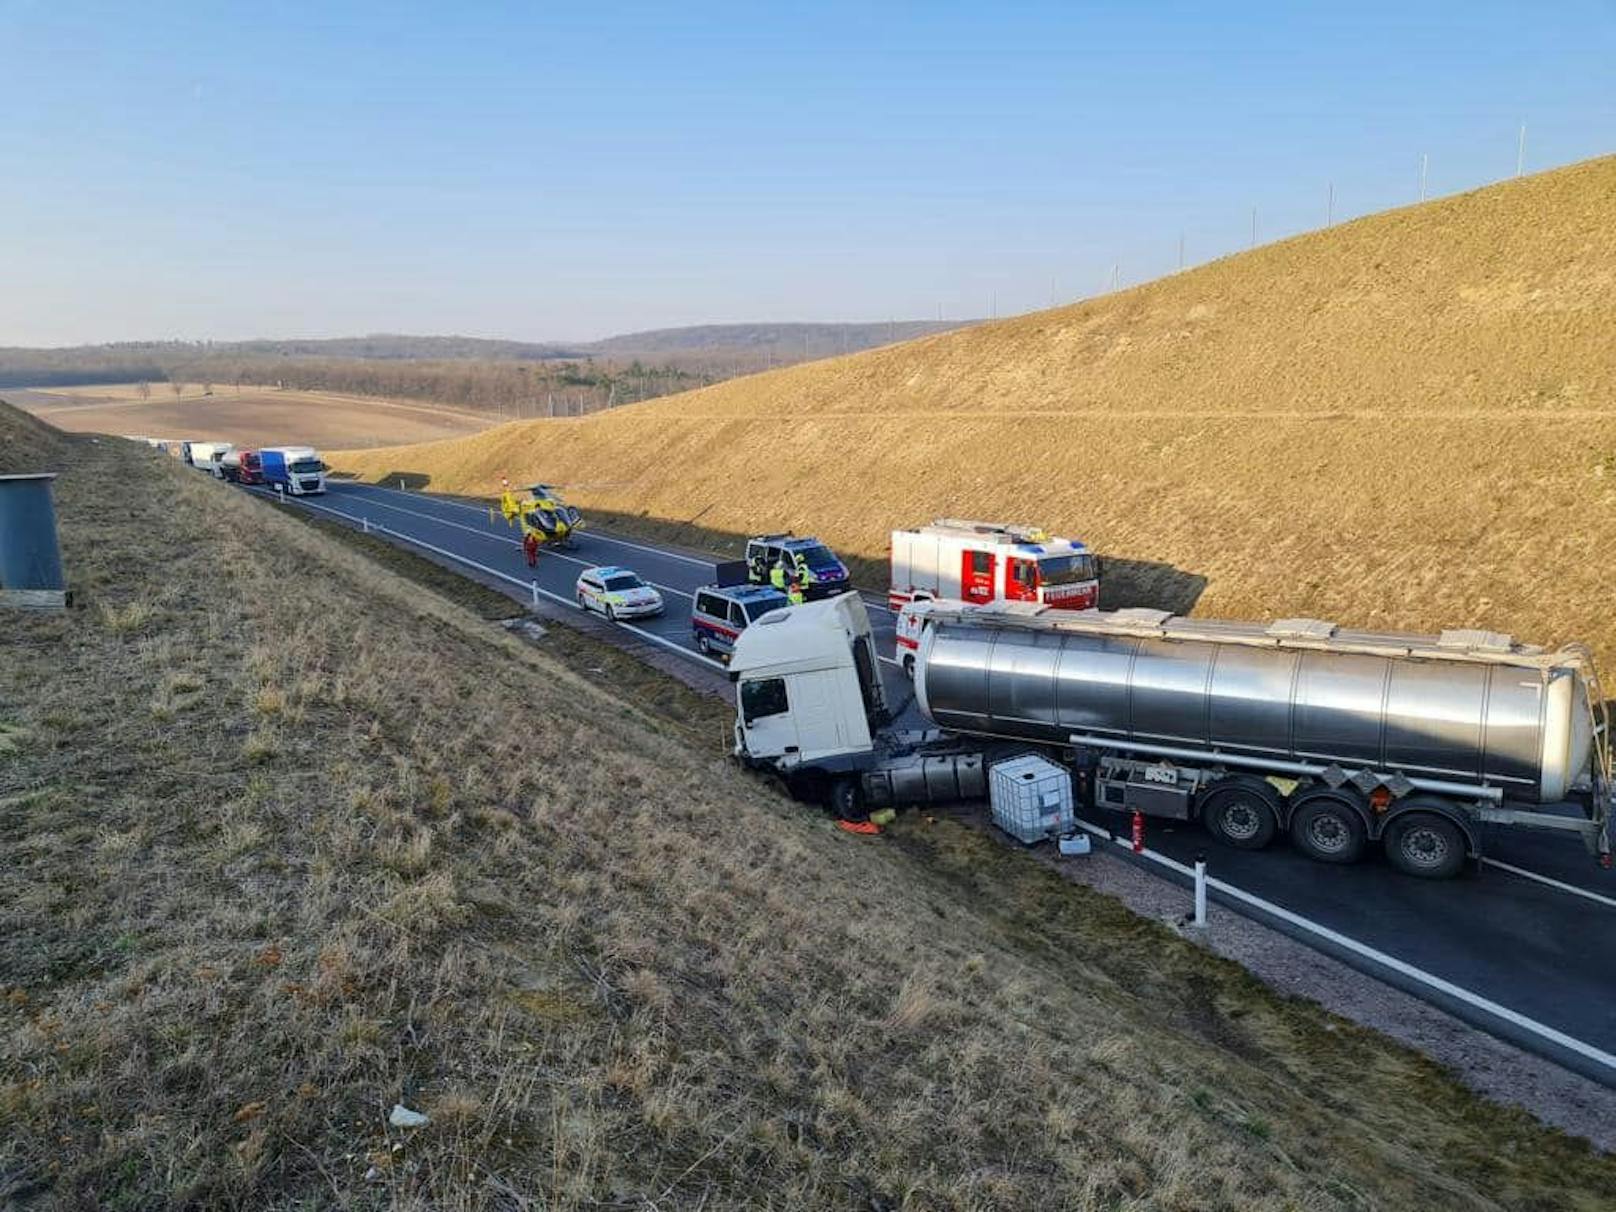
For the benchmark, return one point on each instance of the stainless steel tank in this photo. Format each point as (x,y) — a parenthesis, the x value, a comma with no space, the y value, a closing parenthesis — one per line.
(1466,708)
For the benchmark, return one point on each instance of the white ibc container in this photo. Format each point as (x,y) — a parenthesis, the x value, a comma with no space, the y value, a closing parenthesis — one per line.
(1031,798)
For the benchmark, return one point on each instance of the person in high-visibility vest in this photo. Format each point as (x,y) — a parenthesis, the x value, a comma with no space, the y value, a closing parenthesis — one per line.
(777,574)
(794,594)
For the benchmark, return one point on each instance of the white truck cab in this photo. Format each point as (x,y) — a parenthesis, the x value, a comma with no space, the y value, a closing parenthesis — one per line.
(807,685)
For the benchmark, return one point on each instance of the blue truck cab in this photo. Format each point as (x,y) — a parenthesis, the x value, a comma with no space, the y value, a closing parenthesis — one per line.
(293,469)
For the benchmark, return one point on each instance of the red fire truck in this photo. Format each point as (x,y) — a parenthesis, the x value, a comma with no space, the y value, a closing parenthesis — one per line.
(955,561)
(977,562)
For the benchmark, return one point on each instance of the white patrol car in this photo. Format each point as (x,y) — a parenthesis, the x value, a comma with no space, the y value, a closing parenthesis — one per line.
(618,593)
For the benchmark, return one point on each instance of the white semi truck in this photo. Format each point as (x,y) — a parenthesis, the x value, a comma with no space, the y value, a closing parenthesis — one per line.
(1340,739)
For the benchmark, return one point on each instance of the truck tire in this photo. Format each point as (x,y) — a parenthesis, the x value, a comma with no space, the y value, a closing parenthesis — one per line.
(703,644)
(909,665)
(1427,845)
(847,800)
(1326,826)
(1243,813)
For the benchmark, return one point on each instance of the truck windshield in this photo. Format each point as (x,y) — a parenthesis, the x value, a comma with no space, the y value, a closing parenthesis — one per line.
(755,610)
(308,467)
(619,583)
(1065,570)
(820,559)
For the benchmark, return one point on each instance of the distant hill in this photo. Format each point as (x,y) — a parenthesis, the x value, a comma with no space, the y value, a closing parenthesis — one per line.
(782,343)
(719,348)
(1408,420)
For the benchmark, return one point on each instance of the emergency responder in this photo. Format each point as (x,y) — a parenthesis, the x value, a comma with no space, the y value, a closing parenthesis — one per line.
(794,594)
(530,547)
(777,574)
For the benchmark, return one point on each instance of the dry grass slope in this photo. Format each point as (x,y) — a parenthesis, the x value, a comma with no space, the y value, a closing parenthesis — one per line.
(1408,420)
(289,838)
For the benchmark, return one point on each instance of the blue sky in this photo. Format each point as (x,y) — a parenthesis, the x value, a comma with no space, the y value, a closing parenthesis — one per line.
(570,171)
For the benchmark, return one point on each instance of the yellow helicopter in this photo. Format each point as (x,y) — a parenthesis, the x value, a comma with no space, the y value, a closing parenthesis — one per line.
(546,519)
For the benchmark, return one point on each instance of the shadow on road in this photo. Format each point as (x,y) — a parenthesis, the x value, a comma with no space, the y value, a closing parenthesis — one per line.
(411,481)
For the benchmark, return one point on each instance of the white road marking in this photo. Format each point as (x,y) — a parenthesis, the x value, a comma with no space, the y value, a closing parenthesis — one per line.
(872,600)
(1553,883)
(595,534)
(550,553)
(1418,975)
(527,586)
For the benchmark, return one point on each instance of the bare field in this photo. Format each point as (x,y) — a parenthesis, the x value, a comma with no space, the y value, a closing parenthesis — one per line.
(290,840)
(250,416)
(1404,421)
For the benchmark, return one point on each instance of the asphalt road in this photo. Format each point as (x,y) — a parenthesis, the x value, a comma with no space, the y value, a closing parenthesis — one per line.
(1533,930)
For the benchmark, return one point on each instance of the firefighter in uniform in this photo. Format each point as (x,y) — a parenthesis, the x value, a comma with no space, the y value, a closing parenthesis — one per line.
(530,547)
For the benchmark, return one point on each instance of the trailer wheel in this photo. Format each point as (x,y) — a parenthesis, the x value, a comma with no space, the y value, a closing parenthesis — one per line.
(847,800)
(909,666)
(1241,813)
(1426,845)
(1327,828)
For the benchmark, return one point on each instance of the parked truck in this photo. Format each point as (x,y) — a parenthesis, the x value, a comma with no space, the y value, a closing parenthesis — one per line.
(1340,739)
(240,467)
(293,469)
(205,455)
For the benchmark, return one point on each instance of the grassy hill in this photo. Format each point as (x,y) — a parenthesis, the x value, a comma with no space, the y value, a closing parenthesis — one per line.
(290,838)
(1407,420)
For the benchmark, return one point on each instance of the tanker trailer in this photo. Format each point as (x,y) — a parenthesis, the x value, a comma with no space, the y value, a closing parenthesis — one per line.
(1338,738)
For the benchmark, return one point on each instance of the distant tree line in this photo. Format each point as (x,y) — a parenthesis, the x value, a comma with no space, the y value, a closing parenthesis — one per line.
(514,389)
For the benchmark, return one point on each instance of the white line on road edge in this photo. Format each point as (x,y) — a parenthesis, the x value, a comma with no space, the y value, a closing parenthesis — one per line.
(529,586)
(870,599)
(1417,975)
(1553,883)
(549,552)
(657,551)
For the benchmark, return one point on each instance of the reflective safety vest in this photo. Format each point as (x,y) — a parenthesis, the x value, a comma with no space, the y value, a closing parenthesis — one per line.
(794,594)
(777,575)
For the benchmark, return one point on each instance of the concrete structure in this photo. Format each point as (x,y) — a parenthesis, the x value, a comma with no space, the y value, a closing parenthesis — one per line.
(30,559)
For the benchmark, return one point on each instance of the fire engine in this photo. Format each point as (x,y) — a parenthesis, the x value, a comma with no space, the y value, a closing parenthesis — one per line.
(977,562)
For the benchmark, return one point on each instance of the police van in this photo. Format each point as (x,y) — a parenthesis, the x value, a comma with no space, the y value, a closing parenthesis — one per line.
(719,613)
(822,575)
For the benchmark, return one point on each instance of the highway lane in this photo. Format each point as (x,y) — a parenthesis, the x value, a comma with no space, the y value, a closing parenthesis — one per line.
(1536,932)
(448,522)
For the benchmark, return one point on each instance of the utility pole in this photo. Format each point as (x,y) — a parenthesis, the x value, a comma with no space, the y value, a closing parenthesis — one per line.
(1116,274)
(1329,205)
(1425,161)
(1180,252)
(1520,152)
(1254,227)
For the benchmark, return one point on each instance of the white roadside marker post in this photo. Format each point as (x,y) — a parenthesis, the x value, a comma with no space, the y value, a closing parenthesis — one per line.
(1200,893)
(535,586)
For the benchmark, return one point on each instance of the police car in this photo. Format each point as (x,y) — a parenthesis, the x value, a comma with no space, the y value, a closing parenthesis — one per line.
(618,593)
